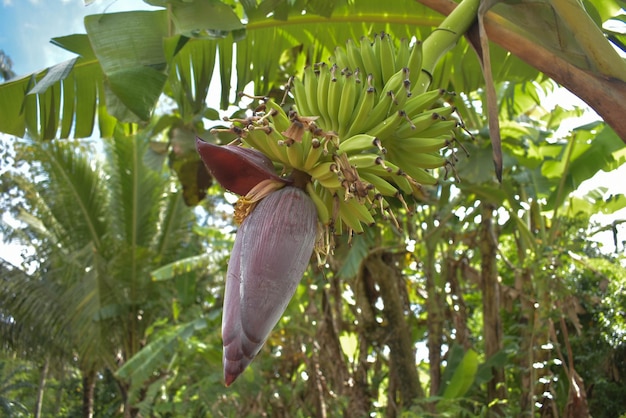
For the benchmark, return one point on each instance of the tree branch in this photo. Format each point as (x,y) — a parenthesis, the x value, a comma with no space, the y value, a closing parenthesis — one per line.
(606,95)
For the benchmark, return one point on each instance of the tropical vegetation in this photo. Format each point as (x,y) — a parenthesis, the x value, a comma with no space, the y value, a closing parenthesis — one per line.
(485,297)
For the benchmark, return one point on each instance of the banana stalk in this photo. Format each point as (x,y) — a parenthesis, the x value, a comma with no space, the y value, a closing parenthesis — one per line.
(445,38)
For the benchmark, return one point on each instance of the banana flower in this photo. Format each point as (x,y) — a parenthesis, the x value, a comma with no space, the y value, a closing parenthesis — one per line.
(272,249)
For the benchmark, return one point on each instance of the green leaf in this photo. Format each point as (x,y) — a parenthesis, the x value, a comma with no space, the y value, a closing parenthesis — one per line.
(209,18)
(478,167)
(322,7)
(555,117)
(154,354)
(355,256)
(525,234)
(595,202)
(77,43)
(138,88)
(191,74)
(453,359)
(130,50)
(463,376)
(185,265)
(485,370)
(54,74)
(87,81)
(349,345)
(12,96)
(591,154)
(226,61)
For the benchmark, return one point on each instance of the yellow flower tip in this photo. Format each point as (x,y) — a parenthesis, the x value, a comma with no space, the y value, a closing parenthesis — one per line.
(246,204)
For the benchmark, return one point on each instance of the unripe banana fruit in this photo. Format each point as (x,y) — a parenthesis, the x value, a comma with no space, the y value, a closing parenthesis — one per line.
(359,131)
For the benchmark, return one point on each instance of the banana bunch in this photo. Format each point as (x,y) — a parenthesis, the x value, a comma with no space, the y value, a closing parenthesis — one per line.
(360,131)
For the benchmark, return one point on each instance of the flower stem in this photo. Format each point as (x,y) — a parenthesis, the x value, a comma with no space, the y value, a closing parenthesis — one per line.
(300,178)
(444,38)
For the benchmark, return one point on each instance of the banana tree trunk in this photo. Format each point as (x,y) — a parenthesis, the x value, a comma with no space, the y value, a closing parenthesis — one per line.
(381,268)
(492,325)
(436,312)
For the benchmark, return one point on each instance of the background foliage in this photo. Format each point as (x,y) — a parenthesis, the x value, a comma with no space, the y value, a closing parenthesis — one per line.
(490,300)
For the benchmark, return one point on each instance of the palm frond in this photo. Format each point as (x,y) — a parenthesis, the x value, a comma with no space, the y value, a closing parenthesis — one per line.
(174,223)
(135,189)
(31,319)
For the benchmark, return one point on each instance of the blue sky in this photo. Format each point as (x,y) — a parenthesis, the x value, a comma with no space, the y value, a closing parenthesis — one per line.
(26,27)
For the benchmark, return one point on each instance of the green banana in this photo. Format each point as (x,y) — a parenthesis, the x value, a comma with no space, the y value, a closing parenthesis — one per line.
(380,184)
(359,211)
(300,97)
(417,174)
(428,160)
(323,170)
(323,213)
(330,182)
(415,63)
(420,175)
(341,58)
(419,103)
(427,120)
(442,127)
(403,93)
(326,174)
(357,143)
(372,65)
(346,111)
(295,154)
(379,112)
(414,145)
(363,160)
(417,125)
(401,179)
(279,117)
(349,219)
(354,57)
(387,56)
(393,84)
(402,53)
(273,139)
(390,171)
(265,140)
(407,164)
(388,126)
(257,139)
(323,84)
(310,88)
(347,104)
(316,151)
(361,112)
(334,98)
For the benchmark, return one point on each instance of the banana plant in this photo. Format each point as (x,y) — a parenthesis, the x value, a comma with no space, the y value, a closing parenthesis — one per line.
(352,147)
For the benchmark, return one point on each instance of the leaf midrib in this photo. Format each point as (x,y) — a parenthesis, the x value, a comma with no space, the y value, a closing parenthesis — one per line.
(389,18)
